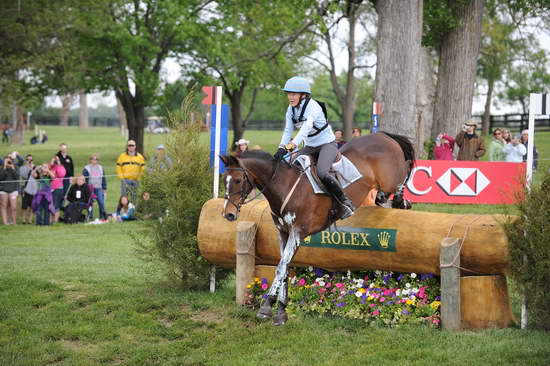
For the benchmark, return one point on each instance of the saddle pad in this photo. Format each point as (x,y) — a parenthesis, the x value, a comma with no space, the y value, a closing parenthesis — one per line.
(343,170)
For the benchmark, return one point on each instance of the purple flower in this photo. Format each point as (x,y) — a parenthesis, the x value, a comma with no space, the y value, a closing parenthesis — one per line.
(363,300)
(425,276)
(386,278)
(351,292)
(341,304)
(405,312)
(400,277)
(264,296)
(319,272)
(264,280)
(389,303)
(438,298)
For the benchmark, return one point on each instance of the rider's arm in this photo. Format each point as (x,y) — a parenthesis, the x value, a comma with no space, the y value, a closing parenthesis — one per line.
(313,113)
(289,128)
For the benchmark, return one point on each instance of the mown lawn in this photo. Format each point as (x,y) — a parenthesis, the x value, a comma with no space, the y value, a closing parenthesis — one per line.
(77,295)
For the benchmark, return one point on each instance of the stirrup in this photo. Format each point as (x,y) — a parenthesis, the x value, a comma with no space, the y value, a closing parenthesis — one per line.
(346,211)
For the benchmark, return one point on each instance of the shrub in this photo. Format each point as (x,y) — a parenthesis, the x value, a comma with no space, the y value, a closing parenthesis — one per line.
(177,195)
(529,243)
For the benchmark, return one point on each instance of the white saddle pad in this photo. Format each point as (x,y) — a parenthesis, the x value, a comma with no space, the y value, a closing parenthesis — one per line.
(344,170)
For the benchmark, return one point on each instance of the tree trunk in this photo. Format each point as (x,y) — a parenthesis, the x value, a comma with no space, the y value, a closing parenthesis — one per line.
(18,138)
(235,97)
(457,69)
(135,115)
(83,121)
(425,94)
(349,107)
(398,42)
(66,102)
(122,117)
(486,123)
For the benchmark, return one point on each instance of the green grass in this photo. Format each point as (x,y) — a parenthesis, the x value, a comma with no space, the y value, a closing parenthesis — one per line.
(76,295)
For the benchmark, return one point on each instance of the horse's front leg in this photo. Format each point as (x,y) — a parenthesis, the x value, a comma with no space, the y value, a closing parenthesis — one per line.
(280,284)
(265,311)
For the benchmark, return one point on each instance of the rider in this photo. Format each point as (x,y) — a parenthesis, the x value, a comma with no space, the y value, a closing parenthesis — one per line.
(307,115)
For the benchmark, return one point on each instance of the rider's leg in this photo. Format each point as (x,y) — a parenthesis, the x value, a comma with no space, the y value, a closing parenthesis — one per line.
(324,163)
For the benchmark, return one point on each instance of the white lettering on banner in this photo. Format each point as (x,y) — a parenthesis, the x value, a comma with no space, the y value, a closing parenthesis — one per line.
(410,183)
(479,181)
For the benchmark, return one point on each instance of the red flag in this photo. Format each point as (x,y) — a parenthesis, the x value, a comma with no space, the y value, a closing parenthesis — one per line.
(209,98)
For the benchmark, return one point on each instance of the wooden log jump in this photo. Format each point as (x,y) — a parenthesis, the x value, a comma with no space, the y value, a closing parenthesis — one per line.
(373,238)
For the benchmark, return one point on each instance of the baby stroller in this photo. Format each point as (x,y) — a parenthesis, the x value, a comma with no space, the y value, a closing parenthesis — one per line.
(73,212)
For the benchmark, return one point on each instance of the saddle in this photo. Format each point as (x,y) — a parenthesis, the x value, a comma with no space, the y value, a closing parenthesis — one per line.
(342,169)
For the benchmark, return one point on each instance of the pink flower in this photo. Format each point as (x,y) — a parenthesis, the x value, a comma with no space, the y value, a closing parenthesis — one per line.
(387,292)
(422,292)
(382,299)
(328,285)
(376,312)
(366,278)
(322,290)
(339,285)
(435,321)
(372,305)
(264,286)
(301,282)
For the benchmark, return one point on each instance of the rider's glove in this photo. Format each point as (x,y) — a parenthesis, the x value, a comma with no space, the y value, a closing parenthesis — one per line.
(281,152)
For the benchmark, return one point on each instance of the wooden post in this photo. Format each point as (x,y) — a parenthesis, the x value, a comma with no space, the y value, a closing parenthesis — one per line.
(449,257)
(245,252)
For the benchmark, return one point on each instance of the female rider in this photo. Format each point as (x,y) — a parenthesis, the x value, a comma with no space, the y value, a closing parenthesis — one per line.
(307,115)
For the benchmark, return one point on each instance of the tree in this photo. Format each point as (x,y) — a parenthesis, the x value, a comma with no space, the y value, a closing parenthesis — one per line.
(398,54)
(343,85)
(126,43)
(249,48)
(458,55)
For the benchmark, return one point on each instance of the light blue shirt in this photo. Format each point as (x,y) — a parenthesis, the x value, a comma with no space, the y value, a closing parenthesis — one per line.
(514,154)
(313,117)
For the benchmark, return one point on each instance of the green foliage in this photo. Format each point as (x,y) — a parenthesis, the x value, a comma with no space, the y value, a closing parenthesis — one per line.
(177,196)
(439,19)
(529,244)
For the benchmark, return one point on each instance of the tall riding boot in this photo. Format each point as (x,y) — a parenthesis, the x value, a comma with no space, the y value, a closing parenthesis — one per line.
(335,189)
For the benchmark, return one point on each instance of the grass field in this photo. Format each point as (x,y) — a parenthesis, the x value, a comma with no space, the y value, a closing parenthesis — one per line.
(77,295)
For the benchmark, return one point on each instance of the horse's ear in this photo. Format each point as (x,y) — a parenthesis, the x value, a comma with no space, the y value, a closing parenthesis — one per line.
(229,160)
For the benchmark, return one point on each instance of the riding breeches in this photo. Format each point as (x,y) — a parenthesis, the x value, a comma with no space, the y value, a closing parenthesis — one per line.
(326,154)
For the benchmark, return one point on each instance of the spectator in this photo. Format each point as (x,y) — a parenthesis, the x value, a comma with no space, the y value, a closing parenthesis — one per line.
(95,177)
(42,202)
(339,138)
(58,193)
(356,132)
(471,145)
(506,136)
(129,167)
(525,142)
(160,160)
(67,162)
(29,188)
(125,209)
(515,150)
(443,149)
(17,159)
(9,189)
(78,197)
(242,145)
(145,207)
(496,146)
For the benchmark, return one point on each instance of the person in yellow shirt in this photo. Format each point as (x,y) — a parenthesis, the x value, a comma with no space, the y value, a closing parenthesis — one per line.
(129,167)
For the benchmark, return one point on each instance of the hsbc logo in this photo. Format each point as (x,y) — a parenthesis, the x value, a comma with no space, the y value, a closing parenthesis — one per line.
(454,181)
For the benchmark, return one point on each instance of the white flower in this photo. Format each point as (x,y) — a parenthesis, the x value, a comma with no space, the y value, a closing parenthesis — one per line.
(321,283)
(415,289)
(413,275)
(408,285)
(371,285)
(378,273)
(398,292)
(358,294)
(310,268)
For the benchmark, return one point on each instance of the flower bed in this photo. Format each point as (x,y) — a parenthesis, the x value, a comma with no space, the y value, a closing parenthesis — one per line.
(377,297)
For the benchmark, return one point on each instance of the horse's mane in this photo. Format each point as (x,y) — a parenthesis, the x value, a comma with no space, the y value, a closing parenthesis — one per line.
(256,154)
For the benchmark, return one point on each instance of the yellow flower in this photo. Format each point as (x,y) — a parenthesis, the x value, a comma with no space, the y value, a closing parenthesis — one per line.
(248,286)
(362,290)
(410,302)
(435,304)
(256,279)
(370,298)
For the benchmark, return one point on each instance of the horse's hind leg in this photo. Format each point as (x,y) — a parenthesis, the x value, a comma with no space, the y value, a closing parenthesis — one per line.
(399,201)
(265,311)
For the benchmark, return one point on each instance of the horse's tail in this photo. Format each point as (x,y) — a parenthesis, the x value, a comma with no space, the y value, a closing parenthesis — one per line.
(408,150)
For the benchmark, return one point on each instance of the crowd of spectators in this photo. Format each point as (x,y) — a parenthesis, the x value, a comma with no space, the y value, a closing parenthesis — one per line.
(503,146)
(50,189)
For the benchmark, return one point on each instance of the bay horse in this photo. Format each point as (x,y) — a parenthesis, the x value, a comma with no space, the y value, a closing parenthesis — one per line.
(385,161)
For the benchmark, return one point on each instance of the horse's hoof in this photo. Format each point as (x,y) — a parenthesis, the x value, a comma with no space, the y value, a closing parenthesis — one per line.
(280,319)
(264,313)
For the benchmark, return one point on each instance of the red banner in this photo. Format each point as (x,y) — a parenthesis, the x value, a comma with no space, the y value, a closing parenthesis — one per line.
(470,182)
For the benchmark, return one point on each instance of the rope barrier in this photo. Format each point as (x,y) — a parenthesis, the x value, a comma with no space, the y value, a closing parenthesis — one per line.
(65,178)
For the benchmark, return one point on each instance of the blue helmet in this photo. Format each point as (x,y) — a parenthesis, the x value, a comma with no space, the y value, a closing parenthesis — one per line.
(297,84)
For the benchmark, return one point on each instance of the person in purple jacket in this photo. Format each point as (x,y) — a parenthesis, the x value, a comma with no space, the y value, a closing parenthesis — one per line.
(42,202)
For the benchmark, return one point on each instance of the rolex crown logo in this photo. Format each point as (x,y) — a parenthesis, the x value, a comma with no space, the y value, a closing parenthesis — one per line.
(307,239)
(384,239)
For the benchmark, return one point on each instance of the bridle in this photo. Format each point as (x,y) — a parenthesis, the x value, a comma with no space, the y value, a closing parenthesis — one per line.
(243,193)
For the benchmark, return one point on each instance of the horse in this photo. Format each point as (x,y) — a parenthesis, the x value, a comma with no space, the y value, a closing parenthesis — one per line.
(385,161)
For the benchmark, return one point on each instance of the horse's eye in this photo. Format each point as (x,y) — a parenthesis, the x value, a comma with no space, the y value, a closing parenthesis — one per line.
(237,181)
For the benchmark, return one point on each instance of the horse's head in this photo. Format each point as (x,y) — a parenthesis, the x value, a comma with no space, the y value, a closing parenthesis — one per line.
(238,184)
